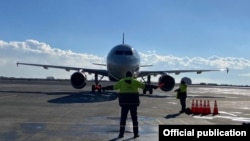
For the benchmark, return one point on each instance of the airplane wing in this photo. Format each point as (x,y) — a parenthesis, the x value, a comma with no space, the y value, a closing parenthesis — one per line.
(95,71)
(145,73)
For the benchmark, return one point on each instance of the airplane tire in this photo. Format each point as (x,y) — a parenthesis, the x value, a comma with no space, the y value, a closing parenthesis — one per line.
(99,90)
(93,88)
(150,91)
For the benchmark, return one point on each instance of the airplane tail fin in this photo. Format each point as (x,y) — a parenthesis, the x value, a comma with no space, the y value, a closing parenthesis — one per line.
(123,38)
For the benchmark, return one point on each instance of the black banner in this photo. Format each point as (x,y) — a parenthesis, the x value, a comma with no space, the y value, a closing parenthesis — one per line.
(202,132)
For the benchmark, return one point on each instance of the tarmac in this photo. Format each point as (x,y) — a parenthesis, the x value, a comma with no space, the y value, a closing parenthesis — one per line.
(38,110)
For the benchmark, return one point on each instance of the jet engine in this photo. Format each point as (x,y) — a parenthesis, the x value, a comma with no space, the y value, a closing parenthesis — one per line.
(167,81)
(78,80)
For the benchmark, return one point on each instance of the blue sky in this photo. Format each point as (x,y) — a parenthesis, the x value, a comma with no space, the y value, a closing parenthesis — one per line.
(170,34)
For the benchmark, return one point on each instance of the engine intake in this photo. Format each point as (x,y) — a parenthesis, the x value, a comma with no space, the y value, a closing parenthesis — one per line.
(168,82)
(78,80)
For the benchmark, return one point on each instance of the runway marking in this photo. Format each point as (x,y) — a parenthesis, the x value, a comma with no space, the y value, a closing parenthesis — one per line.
(232,117)
(159,121)
(237,112)
(243,119)
(227,113)
(245,108)
(203,117)
(172,103)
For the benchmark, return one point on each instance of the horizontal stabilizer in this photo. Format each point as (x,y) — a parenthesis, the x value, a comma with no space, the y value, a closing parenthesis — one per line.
(99,64)
(146,65)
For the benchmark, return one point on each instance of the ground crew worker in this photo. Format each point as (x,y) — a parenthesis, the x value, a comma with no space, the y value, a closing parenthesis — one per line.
(128,100)
(182,95)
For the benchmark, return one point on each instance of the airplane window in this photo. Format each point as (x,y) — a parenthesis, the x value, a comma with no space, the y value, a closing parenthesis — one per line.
(128,52)
(119,52)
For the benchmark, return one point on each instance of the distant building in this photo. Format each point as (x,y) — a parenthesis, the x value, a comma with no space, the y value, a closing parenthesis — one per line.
(213,84)
(50,78)
(202,83)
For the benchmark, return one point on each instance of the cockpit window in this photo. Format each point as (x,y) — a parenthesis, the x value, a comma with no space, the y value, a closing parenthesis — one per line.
(123,52)
(128,52)
(119,52)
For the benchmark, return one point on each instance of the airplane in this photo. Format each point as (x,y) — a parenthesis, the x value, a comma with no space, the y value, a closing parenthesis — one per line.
(121,59)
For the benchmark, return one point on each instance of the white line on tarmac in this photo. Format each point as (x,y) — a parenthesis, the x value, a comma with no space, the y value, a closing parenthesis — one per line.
(159,121)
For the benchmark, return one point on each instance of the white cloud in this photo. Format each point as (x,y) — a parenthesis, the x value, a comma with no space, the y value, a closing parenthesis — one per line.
(245,75)
(171,61)
(32,51)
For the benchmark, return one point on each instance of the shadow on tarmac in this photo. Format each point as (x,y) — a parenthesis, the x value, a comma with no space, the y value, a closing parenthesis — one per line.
(84,97)
(187,111)
(116,139)
(74,97)
(155,95)
(172,115)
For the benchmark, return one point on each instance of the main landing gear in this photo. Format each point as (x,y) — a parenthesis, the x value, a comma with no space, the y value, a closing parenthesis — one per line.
(149,88)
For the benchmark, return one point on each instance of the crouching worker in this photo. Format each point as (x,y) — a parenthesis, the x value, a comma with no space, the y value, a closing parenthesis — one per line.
(128,100)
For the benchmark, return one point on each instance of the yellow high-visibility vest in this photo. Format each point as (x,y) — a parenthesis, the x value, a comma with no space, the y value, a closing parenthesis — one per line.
(183,88)
(125,87)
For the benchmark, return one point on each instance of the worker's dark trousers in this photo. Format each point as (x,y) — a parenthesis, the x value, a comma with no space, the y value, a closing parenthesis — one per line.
(183,103)
(124,113)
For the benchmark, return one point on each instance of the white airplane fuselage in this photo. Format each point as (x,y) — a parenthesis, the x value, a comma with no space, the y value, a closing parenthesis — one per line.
(122,58)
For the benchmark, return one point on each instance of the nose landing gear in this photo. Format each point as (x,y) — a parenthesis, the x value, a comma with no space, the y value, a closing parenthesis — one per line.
(97,86)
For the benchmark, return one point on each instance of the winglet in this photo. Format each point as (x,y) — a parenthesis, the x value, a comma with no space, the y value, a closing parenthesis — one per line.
(226,69)
(17,63)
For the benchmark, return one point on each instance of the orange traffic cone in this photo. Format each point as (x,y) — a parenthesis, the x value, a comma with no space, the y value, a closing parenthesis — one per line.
(195,110)
(204,108)
(193,107)
(208,107)
(200,108)
(215,112)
